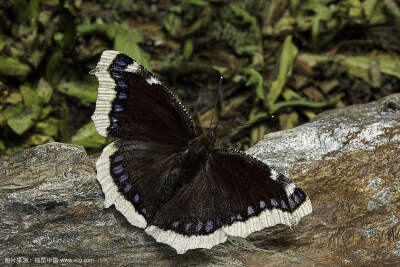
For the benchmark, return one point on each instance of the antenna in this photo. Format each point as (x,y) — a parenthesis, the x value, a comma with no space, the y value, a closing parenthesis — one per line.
(219,98)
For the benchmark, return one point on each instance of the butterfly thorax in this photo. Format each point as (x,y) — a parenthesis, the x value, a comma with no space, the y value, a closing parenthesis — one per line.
(192,160)
(197,151)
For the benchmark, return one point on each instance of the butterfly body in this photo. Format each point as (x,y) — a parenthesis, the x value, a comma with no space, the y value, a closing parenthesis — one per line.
(164,176)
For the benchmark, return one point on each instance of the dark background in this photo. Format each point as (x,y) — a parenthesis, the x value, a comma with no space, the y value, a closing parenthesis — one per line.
(292,59)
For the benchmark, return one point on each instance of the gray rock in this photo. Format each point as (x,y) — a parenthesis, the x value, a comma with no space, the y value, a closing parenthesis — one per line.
(347,160)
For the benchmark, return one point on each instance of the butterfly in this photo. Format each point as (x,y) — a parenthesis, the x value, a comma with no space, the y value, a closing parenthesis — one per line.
(166,177)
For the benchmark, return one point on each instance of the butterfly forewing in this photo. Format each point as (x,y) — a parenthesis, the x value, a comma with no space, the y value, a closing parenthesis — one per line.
(132,103)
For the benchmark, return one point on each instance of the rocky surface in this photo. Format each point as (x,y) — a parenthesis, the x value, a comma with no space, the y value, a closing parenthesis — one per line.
(347,160)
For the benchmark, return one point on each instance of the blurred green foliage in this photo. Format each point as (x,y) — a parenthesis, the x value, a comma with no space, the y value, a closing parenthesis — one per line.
(290,58)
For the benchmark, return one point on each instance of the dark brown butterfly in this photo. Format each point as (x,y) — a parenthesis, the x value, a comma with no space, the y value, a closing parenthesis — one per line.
(165,177)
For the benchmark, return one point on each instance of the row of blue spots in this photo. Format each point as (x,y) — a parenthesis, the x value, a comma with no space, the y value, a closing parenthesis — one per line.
(283,204)
(198,226)
(118,68)
(118,108)
(274,203)
(118,169)
(116,74)
(114,120)
(122,95)
(292,205)
(250,210)
(208,226)
(122,84)
(118,158)
(123,178)
(120,62)
(136,198)
(127,188)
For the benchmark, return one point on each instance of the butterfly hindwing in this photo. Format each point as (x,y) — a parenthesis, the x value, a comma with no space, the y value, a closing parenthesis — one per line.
(132,103)
(234,194)
(133,175)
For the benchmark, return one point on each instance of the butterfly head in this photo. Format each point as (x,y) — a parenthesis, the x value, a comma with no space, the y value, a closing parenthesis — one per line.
(199,147)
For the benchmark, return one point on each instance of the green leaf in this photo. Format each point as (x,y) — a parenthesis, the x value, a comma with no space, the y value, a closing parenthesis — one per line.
(30,96)
(67,26)
(369,8)
(56,62)
(65,127)
(44,91)
(87,136)
(12,67)
(34,10)
(21,122)
(256,79)
(1,42)
(288,55)
(358,65)
(188,49)
(38,139)
(45,112)
(194,27)
(49,127)
(288,121)
(173,24)
(127,41)
(2,147)
(13,110)
(201,3)
(392,8)
(2,120)
(14,98)
(302,103)
(85,90)
(246,17)
(90,29)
